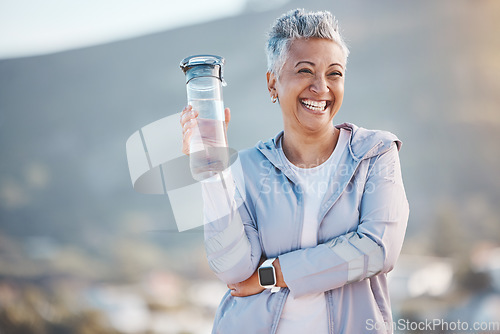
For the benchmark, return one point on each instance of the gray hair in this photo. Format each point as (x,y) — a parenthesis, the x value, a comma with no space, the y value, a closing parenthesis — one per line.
(299,24)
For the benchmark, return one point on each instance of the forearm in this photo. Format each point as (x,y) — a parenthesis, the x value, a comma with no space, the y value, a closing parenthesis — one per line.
(232,251)
(219,202)
(371,249)
(330,265)
(374,266)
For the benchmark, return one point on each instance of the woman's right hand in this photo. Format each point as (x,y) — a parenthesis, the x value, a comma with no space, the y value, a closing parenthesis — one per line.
(189,122)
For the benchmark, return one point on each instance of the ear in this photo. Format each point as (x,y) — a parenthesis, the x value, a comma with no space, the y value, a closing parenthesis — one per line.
(271,82)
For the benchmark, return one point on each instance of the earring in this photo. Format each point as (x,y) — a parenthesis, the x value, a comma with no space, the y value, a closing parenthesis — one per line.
(274,99)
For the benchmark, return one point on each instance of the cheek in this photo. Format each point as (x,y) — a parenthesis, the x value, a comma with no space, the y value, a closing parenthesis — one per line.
(338,90)
(287,94)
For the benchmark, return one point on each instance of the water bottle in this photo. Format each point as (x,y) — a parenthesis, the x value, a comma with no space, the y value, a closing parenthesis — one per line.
(208,152)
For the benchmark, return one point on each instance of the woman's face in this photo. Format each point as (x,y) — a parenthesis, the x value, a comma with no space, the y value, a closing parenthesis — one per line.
(310,87)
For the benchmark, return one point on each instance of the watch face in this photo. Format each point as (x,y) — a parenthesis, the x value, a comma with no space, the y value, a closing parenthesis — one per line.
(266,276)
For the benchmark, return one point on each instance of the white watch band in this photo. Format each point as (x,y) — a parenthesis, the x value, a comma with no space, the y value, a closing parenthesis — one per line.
(269,263)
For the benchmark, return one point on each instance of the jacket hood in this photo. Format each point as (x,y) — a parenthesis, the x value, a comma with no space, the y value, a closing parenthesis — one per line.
(363,143)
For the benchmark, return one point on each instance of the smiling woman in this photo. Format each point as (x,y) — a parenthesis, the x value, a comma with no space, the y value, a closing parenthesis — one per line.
(302,256)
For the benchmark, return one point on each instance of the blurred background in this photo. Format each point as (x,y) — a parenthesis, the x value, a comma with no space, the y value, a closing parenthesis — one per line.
(81,252)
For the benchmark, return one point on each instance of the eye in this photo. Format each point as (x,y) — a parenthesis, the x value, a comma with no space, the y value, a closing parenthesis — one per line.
(335,73)
(305,70)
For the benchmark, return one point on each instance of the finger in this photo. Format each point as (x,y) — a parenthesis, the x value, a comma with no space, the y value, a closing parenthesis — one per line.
(187,114)
(235,293)
(232,287)
(186,109)
(184,113)
(186,140)
(227,114)
(189,124)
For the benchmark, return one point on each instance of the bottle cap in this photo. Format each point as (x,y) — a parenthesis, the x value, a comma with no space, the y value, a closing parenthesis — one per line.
(203,66)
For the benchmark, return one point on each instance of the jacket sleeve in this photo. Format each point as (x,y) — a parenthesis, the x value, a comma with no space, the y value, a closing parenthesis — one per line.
(373,248)
(231,238)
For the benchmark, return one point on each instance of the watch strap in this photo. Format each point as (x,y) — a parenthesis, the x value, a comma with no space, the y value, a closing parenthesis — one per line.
(268,262)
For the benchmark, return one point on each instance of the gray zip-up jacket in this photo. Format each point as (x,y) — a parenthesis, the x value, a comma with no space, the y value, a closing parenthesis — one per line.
(362,223)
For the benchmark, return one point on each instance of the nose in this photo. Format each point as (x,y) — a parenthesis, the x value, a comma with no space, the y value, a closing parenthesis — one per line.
(319,85)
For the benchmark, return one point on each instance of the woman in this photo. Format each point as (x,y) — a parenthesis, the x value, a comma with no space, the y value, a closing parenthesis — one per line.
(323,205)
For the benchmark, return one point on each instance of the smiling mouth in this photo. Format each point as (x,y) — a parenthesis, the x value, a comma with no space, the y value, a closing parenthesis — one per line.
(317,106)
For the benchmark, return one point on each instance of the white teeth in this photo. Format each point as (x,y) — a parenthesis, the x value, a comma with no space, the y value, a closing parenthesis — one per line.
(314,105)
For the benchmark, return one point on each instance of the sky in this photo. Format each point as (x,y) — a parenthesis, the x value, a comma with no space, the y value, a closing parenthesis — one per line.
(34,27)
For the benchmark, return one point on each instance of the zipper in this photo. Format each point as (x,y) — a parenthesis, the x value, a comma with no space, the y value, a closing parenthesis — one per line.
(329,302)
(300,211)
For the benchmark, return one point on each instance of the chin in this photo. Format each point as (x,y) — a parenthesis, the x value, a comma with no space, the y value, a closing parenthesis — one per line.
(315,126)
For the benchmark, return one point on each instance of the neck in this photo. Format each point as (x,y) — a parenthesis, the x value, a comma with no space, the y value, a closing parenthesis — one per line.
(309,150)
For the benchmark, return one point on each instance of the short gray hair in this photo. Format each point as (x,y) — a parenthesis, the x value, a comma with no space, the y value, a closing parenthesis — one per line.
(299,24)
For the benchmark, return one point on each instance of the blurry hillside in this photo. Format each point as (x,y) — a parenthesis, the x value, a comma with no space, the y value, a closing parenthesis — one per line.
(427,71)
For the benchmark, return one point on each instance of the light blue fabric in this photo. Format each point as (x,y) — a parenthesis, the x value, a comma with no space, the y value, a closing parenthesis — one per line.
(362,219)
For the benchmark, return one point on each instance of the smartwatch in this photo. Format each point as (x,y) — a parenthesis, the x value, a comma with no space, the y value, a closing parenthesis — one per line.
(267,275)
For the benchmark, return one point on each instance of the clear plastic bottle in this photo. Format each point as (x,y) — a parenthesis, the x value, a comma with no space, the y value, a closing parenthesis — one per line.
(208,147)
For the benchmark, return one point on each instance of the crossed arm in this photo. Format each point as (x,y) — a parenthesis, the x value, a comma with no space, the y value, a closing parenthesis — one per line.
(234,251)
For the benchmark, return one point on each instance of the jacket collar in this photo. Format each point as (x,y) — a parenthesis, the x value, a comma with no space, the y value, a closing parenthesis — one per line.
(363,144)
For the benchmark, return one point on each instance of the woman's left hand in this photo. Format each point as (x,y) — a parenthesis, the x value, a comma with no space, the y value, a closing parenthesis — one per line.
(246,288)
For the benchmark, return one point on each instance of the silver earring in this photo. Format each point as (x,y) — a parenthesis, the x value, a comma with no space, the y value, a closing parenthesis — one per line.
(274,99)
